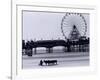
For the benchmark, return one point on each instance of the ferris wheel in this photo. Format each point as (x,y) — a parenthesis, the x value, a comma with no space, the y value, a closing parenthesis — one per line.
(73,25)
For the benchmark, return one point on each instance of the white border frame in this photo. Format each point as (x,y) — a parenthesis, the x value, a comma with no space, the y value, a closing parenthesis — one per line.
(16,70)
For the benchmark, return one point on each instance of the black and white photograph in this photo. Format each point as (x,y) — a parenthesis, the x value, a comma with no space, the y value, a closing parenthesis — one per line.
(55,39)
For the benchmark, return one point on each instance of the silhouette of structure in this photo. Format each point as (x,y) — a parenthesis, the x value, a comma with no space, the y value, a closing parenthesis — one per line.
(81,45)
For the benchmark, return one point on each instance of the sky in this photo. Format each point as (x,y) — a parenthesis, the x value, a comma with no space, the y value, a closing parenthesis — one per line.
(47,25)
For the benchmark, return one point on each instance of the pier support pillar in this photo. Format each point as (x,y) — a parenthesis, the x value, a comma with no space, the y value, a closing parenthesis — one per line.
(29,52)
(65,49)
(49,50)
(35,51)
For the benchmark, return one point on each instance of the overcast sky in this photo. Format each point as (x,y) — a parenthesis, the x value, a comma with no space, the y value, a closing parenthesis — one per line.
(44,25)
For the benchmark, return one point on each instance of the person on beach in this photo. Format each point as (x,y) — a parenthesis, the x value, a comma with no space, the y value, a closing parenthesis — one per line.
(41,63)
